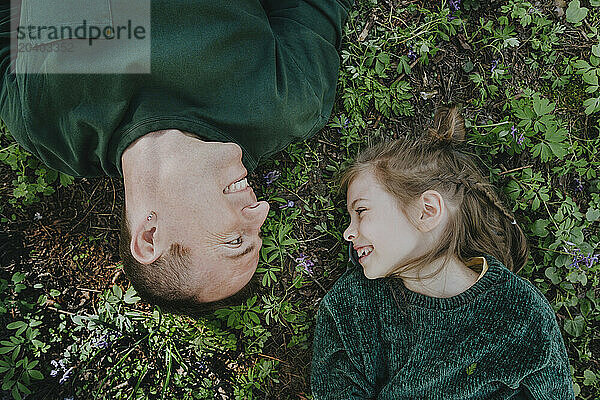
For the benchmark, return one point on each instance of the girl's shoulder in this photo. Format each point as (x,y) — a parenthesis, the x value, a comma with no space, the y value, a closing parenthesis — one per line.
(523,308)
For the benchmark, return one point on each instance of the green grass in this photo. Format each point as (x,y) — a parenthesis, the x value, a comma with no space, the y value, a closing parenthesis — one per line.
(528,83)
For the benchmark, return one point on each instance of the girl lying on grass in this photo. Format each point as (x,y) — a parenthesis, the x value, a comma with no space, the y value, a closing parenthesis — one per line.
(449,318)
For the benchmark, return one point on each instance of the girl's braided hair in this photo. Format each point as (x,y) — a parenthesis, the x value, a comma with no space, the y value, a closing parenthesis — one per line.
(479,222)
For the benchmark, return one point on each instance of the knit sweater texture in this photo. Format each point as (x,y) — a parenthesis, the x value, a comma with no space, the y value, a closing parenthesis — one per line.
(499,339)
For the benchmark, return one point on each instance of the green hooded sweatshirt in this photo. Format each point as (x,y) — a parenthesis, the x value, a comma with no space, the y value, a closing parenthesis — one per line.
(261,74)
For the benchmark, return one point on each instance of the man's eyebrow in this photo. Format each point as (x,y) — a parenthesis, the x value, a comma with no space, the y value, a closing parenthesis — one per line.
(249,249)
(355,201)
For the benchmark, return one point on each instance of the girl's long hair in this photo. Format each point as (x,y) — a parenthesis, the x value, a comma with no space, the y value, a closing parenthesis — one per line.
(478,221)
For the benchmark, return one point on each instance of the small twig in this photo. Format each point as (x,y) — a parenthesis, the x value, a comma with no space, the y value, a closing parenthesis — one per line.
(121,385)
(103,229)
(490,125)
(327,143)
(515,169)
(272,358)
(88,290)
(315,238)
(65,312)
(365,32)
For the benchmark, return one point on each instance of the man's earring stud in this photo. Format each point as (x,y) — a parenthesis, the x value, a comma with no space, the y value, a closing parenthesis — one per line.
(149,217)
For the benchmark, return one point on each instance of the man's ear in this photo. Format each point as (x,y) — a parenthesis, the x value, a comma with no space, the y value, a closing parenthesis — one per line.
(144,246)
(432,210)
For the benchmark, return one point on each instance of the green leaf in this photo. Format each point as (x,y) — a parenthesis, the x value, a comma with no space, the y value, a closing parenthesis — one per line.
(543,151)
(575,13)
(591,105)
(582,65)
(542,106)
(16,394)
(590,77)
(539,227)
(117,291)
(403,67)
(35,374)
(512,42)
(18,277)
(23,388)
(589,377)
(16,325)
(468,67)
(558,149)
(131,296)
(596,50)
(254,317)
(66,180)
(471,368)
(592,214)
(576,326)
(552,274)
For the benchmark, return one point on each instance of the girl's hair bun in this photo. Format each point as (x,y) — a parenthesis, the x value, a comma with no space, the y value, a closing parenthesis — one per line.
(448,125)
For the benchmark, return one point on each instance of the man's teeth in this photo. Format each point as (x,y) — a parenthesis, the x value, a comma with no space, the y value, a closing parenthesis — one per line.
(237,186)
(365,251)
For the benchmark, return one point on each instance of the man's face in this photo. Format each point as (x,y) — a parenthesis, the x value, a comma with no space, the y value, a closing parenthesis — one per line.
(214,212)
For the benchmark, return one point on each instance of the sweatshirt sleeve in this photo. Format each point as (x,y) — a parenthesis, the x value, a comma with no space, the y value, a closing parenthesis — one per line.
(553,380)
(334,374)
(309,33)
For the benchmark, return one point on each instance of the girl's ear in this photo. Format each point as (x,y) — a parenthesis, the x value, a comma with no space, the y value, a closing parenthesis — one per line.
(432,210)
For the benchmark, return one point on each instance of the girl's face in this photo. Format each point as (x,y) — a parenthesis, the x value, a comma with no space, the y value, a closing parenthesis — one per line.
(380,232)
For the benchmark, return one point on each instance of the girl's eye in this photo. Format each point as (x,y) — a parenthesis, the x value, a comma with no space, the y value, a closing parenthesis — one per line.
(236,242)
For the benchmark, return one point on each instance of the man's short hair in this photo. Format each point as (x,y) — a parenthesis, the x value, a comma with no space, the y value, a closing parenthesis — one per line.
(166,282)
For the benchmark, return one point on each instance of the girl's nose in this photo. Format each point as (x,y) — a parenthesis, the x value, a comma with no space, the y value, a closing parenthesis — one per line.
(350,233)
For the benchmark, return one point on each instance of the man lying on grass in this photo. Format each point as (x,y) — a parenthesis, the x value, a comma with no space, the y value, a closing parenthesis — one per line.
(230,84)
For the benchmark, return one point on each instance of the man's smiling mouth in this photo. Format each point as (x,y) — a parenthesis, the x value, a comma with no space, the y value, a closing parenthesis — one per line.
(237,186)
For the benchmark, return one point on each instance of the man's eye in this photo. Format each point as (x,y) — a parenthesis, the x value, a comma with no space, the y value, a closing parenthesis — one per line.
(236,242)
(360,210)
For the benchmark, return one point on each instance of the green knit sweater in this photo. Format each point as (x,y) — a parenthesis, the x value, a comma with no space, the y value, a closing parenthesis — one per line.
(499,339)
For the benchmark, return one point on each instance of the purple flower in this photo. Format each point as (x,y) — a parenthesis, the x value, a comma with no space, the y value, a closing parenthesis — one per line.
(412,55)
(344,125)
(105,340)
(272,176)
(494,65)
(289,204)
(578,185)
(579,259)
(513,132)
(66,376)
(454,4)
(305,263)
(201,365)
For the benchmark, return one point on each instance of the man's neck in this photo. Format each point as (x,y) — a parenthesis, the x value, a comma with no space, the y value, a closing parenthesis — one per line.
(141,163)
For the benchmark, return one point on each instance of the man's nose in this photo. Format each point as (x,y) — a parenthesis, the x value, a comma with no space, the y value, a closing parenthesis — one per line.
(234,151)
(257,214)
